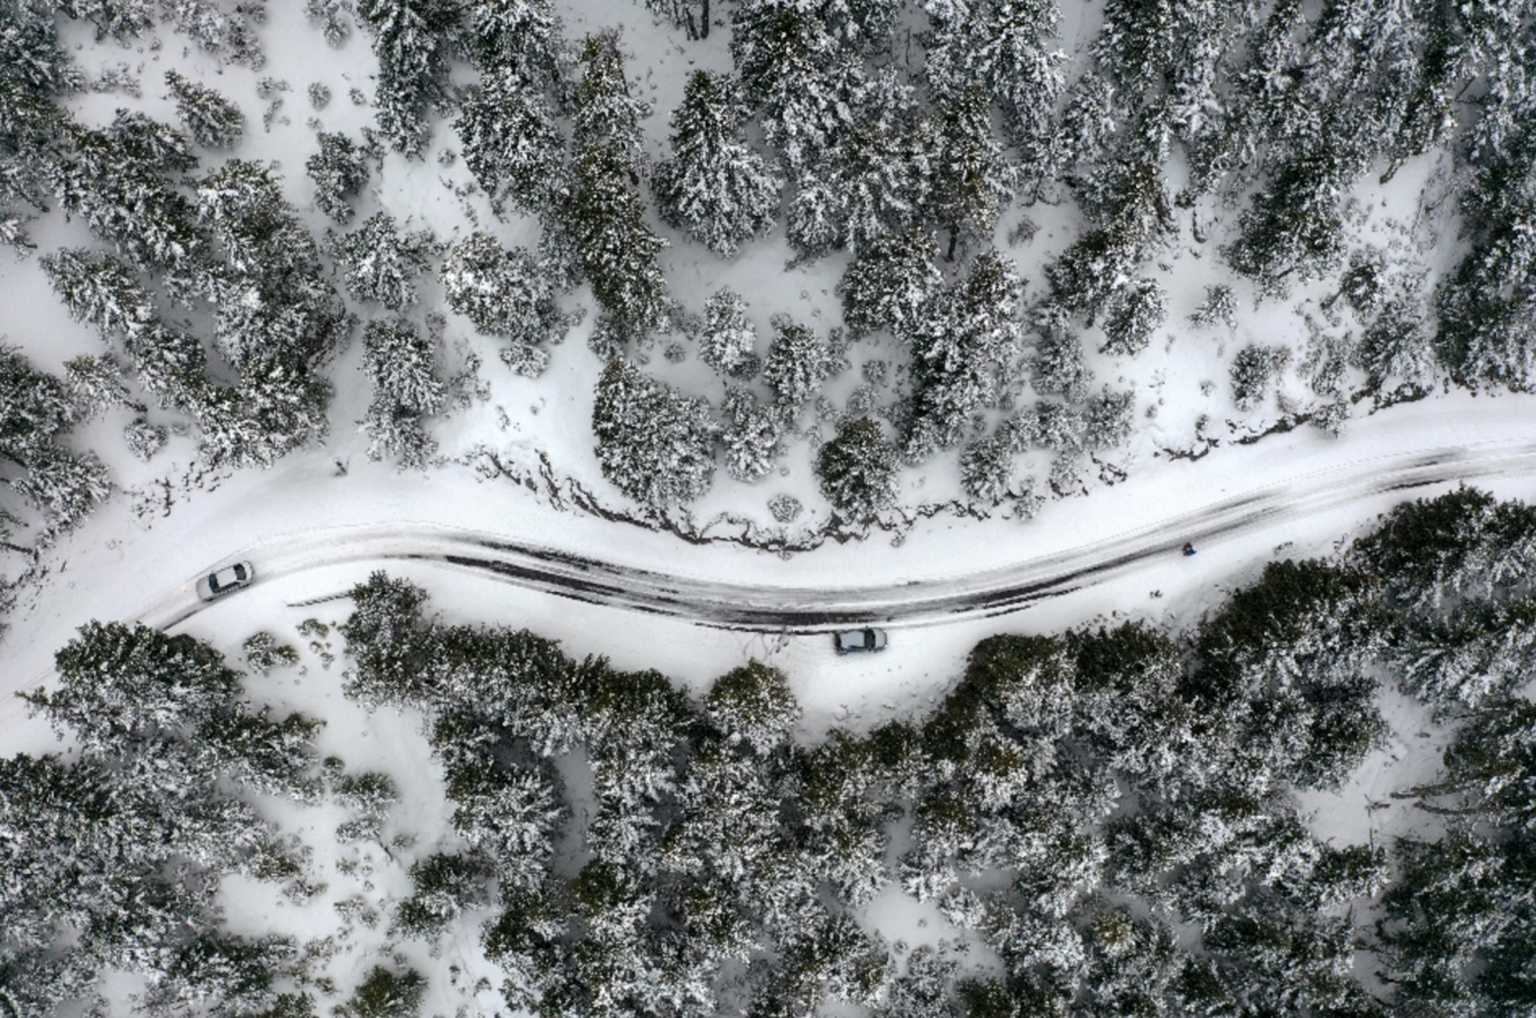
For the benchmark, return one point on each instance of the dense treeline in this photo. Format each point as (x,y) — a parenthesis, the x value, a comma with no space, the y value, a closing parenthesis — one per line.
(899,132)
(1109,810)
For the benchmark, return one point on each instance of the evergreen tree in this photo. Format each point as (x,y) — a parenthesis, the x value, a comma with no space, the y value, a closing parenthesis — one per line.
(798,361)
(380,263)
(212,120)
(964,350)
(339,172)
(386,993)
(1135,316)
(752,433)
(603,212)
(857,469)
(411,39)
(653,443)
(972,182)
(402,365)
(502,292)
(1058,366)
(728,343)
(887,284)
(1253,371)
(715,188)
(753,706)
(510,140)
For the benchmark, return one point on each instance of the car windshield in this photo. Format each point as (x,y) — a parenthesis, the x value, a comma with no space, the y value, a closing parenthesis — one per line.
(239,572)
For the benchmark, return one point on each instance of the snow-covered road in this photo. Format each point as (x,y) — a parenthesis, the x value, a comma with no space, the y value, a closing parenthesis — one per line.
(1004,588)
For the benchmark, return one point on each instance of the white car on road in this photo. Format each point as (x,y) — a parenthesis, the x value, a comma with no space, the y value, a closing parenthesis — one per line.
(221,581)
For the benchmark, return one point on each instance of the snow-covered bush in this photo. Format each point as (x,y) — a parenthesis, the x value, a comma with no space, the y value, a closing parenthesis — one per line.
(144,439)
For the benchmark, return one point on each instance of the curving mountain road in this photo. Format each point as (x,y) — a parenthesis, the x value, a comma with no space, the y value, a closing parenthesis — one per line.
(995,591)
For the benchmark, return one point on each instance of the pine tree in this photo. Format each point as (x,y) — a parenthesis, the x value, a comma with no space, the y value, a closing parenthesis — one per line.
(339,172)
(502,292)
(653,443)
(728,343)
(1107,419)
(972,182)
(887,284)
(1254,369)
(986,469)
(411,39)
(858,471)
(386,993)
(1137,313)
(798,362)
(604,214)
(964,351)
(402,365)
(1058,366)
(715,187)
(510,141)
(212,120)
(753,705)
(380,263)
(752,434)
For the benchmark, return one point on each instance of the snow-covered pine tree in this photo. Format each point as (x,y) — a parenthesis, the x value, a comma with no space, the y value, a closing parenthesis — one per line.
(509,139)
(1218,308)
(100,291)
(403,367)
(715,188)
(1107,419)
(887,284)
(602,211)
(971,180)
(798,362)
(144,138)
(1254,370)
(339,171)
(412,40)
(728,342)
(752,434)
(654,443)
(986,469)
(380,263)
(1058,364)
(123,195)
(212,120)
(1135,314)
(64,486)
(857,469)
(794,71)
(964,350)
(503,292)
(753,705)
(96,385)
(514,35)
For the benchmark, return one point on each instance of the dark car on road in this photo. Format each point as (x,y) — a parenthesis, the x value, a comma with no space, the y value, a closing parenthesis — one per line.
(221,581)
(859,641)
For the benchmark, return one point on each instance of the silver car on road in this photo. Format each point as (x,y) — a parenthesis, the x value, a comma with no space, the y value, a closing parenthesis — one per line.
(859,641)
(221,581)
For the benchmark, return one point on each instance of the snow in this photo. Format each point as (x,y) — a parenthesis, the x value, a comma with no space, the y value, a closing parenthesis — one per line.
(127,563)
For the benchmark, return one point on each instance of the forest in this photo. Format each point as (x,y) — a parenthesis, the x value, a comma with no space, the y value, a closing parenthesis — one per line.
(911,147)
(1105,819)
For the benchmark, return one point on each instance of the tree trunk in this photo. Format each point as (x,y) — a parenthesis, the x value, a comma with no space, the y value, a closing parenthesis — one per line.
(704,22)
(954,239)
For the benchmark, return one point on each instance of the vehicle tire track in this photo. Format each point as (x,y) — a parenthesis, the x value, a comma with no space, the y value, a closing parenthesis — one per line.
(781,608)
